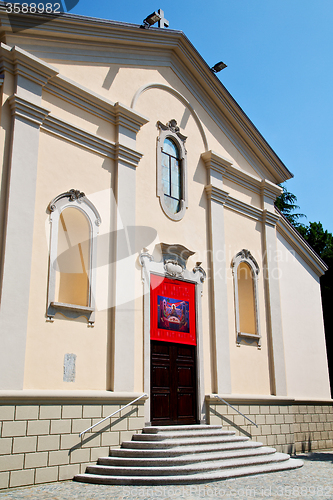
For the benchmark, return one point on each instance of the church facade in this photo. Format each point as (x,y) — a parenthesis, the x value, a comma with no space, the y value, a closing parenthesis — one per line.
(142,255)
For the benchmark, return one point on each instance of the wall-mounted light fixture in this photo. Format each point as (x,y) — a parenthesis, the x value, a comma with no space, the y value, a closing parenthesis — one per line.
(218,67)
(155,17)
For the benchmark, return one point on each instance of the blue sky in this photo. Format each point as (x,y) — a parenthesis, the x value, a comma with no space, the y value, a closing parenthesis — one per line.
(280,71)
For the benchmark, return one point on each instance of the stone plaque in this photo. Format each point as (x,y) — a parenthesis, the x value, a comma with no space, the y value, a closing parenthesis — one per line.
(69,367)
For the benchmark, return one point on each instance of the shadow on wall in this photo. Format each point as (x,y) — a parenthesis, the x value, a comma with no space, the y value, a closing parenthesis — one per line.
(231,423)
(94,434)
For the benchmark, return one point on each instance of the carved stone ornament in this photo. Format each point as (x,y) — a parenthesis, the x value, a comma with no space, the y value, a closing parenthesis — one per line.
(75,195)
(199,269)
(175,253)
(245,255)
(172,127)
(173,268)
(72,194)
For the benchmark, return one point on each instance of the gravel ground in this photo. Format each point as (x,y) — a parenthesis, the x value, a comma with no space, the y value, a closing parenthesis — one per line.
(312,482)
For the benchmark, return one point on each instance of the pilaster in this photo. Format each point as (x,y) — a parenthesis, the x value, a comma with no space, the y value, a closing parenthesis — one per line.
(18,239)
(273,303)
(216,166)
(128,123)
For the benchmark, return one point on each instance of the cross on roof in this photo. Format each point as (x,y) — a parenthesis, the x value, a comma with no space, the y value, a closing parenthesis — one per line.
(162,23)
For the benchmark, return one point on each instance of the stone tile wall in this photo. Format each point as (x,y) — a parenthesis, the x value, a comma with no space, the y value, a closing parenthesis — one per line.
(40,443)
(289,427)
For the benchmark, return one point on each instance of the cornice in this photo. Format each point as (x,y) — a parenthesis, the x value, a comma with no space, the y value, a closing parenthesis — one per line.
(27,65)
(244,208)
(75,94)
(27,110)
(128,156)
(61,395)
(224,198)
(78,136)
(128,118)
(300,245)
(229,171)
(270,190)
(270,218)
(216,194)
(69,27)
(215,161)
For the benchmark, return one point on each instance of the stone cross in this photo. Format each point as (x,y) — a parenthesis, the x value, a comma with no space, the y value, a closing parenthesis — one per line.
(162,23)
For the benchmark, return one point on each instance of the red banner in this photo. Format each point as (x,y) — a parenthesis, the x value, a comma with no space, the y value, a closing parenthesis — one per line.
(172,310)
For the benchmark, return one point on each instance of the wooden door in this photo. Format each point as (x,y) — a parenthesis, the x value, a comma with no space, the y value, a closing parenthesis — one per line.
(173,383)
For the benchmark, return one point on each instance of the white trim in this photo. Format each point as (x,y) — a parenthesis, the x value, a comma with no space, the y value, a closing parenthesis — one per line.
(197,276)
(78,201)
(247,257)
(300,245)
(179,96)
(75,135)
(177,138)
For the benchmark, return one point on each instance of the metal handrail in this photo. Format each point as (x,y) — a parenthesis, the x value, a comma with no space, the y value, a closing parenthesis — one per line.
(226,402)
(109,416)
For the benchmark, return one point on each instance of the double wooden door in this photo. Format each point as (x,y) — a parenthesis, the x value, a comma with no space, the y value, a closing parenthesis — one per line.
(173,383)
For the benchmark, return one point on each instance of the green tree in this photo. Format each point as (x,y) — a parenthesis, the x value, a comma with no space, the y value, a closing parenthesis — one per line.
(287,204)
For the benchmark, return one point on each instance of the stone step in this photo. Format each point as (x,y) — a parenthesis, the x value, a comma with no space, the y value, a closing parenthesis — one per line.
(174,428)
(185,459)
(188,468)
(180,435)
(182,450)
(193,478)
(171,443)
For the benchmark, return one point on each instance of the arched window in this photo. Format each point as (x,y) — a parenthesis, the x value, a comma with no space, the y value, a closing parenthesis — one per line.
(171,175)
(74,228)
(172,171)
(245,270)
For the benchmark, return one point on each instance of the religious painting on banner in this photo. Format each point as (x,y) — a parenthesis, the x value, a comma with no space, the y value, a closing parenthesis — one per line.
(172,310)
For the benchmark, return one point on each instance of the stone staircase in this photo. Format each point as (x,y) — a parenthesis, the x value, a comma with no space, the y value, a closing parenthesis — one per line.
(182,454)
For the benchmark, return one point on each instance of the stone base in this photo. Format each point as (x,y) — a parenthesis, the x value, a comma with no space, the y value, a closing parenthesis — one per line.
(288,425)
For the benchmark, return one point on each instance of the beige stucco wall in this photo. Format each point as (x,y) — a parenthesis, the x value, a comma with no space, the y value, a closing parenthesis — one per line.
(63,166)
(302,321)
(249,365)
(191,231)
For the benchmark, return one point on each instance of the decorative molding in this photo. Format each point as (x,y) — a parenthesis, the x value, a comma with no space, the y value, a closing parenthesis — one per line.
(126,155)
(216,194)
(72,194)
(270,218)
(128,118)
(173,127)
(78,136)
(172,130)
(72,198)
(179,96)
(179,254)
(173,269)
(300,245)
(199,269)
(27,110)
(175,253)
(270,190)
(215,161)
(81,97)
(210,91)
(145,255)
(27,65)
(79,196)
(245,256)
(243,208)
